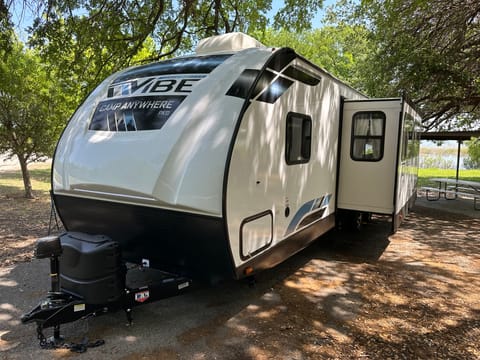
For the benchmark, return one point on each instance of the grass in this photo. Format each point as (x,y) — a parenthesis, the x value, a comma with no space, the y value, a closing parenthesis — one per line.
(425,174)
(11,182)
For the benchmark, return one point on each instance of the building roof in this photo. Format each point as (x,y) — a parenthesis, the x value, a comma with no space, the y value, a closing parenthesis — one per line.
(449,135)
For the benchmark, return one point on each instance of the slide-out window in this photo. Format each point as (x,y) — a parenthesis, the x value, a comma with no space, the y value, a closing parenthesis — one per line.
(368,136)
(410,140)
(298,138)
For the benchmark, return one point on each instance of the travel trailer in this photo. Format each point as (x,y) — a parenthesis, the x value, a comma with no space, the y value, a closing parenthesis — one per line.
(219,164)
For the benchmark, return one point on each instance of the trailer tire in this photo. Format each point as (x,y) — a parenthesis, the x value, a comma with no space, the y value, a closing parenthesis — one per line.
(367,217)
(349,220)
(355,220)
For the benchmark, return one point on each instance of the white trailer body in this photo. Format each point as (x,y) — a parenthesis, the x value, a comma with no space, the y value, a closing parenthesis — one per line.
(222,163)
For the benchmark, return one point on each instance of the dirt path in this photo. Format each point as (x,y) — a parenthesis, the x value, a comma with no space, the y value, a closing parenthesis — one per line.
(413,295)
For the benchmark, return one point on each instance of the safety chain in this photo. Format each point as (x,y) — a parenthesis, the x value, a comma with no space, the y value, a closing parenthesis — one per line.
(41,338)
(53,215)
(73,347)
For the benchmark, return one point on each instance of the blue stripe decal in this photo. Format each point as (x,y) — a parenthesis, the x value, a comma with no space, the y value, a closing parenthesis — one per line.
(306,208)
(326,200)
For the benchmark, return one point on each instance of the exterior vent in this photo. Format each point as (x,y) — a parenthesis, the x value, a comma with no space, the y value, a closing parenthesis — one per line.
(227,42)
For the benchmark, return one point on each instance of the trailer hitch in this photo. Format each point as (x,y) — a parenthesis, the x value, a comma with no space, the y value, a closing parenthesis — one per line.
(140,286)
(58,307)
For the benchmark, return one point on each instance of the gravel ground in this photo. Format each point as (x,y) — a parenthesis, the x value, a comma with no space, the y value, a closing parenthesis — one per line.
(371,295)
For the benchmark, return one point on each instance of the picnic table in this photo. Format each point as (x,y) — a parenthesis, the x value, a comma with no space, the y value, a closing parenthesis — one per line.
(454,188)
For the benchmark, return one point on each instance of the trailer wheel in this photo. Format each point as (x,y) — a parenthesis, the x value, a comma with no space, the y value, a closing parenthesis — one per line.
(367,217)
(349,220)
(355,221)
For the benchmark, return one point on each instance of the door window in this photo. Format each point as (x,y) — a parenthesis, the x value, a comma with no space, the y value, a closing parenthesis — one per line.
(368,136)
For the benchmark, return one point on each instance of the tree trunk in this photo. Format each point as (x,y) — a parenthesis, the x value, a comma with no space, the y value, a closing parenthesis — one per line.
(26,177)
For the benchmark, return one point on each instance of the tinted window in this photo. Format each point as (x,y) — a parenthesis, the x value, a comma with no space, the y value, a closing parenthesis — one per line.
(298,138)
(187,65)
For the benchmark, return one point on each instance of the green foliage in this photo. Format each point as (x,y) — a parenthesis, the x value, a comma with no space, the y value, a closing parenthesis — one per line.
(80,55)
(428,48)
(340,50)
(473,160)
(297,15)
(33,108)
(6,32)
(90,39)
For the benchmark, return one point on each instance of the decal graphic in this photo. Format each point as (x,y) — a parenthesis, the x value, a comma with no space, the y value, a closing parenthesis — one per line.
(142,103)
(142,296)
(154,86)
(79,307)
(308,213)
(270,86)
(183,285)
(134,113)
(241,86)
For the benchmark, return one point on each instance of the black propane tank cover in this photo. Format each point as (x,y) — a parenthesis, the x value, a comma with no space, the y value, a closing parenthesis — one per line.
(91,267)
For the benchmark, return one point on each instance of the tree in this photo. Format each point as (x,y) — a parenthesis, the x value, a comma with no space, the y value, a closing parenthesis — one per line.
(96,37)
(6,25)
(338,50)
(33,109)
(473,159)
(87,40)
(428,48)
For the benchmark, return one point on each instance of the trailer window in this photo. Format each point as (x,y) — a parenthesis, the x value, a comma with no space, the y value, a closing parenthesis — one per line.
(368,136)
(410,141)
(298,138)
